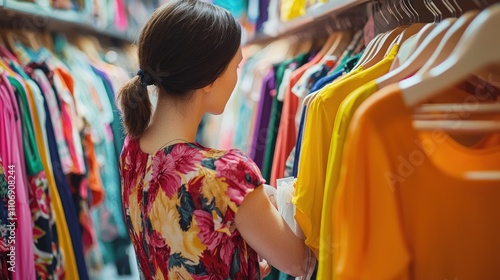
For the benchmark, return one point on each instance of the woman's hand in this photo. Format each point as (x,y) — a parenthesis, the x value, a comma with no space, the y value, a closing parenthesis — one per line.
(263,228)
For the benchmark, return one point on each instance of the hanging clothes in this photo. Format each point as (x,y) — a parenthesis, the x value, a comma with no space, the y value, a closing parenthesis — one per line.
(71,234)
(4,200)
(276,110)
(13,153)
(287,129)
(263,117)
(400,210)
(47,254)
(317,135)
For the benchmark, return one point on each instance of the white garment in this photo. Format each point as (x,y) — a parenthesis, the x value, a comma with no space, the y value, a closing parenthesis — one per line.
(285,191)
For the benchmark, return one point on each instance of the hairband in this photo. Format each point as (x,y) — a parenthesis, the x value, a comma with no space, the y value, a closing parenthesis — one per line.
(145,79)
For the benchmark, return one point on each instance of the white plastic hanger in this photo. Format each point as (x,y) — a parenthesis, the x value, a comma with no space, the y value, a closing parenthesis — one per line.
(476,49)
(486,108)
(449,41)
(454,126)
(410,46)
(420,56)
(383,47)
(373,45)
(370,48)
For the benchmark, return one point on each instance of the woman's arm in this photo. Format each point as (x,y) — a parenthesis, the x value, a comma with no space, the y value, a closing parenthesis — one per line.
(268,234)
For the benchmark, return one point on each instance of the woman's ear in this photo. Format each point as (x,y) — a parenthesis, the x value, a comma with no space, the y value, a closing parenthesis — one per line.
(208,89)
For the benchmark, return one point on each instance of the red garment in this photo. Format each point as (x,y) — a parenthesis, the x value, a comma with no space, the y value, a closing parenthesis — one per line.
(179,207)
(287,133)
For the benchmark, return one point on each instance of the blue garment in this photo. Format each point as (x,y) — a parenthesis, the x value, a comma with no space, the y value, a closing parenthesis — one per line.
(236,7)
(66,198)
(298,146)
(326,80)
(111,181)
(116,125)
(317,86)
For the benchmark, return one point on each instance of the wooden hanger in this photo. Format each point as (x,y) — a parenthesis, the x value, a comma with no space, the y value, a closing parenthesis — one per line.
(418,59)
(329,43)
(47,40)
(8,38)
(1,38)
(476,49)
(308,99)
(306,44)
(339,45)
(89,47)
(29,39)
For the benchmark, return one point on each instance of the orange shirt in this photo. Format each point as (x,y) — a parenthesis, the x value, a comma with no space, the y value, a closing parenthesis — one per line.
(405,206)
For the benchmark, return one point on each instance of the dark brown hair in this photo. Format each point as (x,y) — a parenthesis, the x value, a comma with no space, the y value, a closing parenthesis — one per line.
(185,45)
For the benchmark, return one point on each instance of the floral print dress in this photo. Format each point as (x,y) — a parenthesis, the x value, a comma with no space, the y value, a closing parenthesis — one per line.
(179,206)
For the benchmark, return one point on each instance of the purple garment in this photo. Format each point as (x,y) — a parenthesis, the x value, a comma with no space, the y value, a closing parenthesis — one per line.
(263,14)
(259,136)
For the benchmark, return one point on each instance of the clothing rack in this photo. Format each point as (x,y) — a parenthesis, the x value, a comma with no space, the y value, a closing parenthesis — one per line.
(276,83)
(32,16)
(339,15)
(353,14)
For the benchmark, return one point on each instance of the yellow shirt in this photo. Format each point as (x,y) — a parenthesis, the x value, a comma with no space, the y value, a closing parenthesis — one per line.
(404,210)
(344,115)
(322,111)
(291,9)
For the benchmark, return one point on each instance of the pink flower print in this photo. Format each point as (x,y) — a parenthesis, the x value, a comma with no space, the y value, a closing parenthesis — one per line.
(215,234)
(165,175)
(207,235)
(194,189)
(235,167)
(156,240)
(215,269)
(186,158)
(41,197)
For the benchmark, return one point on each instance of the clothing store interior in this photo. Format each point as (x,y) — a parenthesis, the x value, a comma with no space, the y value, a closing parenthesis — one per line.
(410,190)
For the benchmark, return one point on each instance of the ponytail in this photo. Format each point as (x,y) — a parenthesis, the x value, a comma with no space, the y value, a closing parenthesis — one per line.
(136,107)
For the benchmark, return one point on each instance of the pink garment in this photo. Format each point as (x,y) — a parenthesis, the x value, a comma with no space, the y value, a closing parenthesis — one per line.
(6,53)
(12,150)
(121,21)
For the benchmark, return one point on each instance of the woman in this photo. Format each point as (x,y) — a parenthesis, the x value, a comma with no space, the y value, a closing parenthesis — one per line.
(194,212)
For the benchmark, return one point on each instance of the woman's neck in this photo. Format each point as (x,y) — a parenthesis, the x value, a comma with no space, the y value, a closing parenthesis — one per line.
(172,122)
